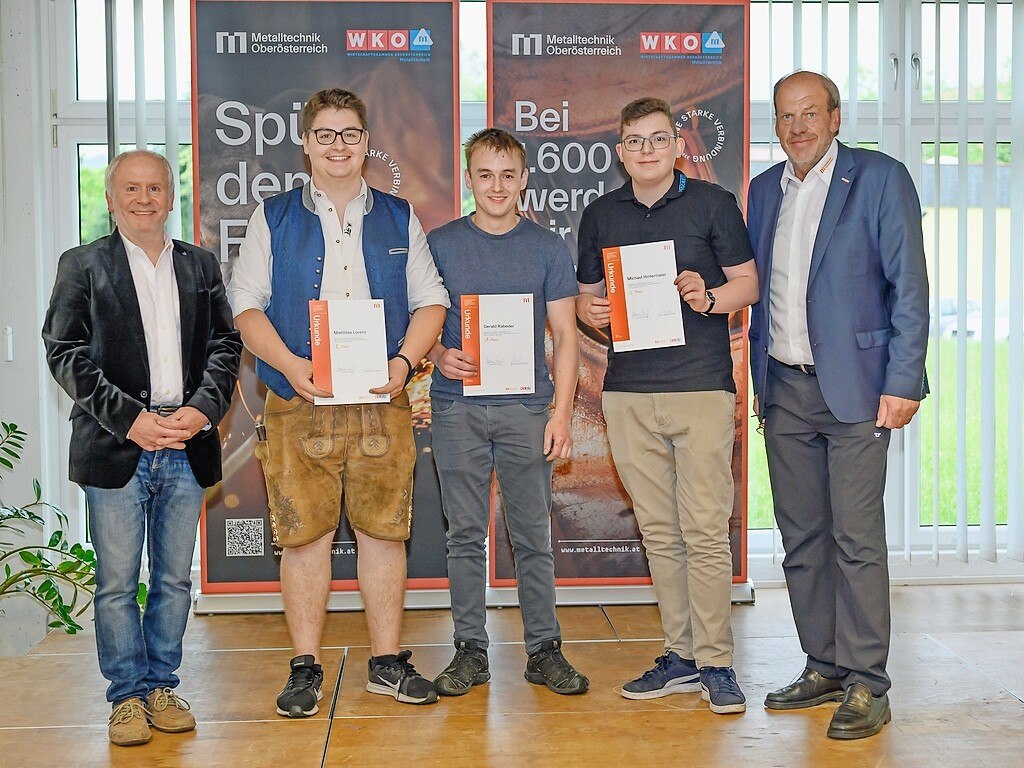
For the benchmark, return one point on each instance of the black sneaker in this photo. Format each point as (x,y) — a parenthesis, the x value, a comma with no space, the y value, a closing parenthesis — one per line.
(400,679)
(468,668)
(549,667)
(300,695)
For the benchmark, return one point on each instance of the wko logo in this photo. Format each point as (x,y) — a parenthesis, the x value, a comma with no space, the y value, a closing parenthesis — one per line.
(673,44)
(526,45)
(232,42)
(388,40)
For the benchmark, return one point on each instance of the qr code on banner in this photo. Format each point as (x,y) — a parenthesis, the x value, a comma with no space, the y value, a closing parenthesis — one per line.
(245,537)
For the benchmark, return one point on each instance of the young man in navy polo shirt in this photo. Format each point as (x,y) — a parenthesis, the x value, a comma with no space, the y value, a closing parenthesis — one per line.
(670,411)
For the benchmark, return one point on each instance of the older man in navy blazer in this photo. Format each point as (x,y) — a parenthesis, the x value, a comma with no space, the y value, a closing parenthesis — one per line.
(837,350)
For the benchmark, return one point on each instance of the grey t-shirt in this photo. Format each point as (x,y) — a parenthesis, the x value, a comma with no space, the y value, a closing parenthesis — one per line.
(526,259)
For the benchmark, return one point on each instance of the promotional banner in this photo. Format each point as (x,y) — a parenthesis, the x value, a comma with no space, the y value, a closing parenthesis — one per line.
(559,74)
(254,65)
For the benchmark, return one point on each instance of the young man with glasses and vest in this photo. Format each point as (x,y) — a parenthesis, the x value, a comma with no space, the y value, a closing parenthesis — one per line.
(670,411)
(335,238)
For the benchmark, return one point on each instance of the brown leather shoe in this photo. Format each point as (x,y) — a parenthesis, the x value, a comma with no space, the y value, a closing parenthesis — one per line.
(168,713)
(860,714)
(809,690)
(127,725)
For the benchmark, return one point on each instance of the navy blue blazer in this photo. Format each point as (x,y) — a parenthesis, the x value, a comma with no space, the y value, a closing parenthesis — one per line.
(867,293)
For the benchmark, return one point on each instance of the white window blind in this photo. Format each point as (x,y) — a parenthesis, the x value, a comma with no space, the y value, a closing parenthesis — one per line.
(937,85)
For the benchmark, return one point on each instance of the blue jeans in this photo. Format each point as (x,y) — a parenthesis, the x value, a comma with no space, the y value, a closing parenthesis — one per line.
(470,442)
(162,500)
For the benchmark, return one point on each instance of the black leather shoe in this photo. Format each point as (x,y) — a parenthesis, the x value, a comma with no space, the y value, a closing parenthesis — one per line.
(809,690)
(860,714)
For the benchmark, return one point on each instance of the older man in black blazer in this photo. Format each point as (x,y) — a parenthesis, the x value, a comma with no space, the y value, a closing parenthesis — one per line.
(139,334)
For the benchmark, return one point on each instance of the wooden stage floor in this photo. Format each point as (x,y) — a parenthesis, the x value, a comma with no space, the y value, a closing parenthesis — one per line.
(957,664)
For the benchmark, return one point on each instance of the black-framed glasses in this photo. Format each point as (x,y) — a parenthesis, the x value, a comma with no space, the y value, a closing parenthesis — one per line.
(327,136)
(658,141)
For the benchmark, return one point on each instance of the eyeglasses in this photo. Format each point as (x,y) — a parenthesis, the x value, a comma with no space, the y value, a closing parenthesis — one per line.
(327,136)
(657,140)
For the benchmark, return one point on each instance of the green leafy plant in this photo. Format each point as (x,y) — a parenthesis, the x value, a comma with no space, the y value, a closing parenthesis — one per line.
(60,575)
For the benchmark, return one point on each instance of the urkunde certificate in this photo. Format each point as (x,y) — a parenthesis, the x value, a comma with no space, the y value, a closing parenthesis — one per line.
(497,332)
(645,305)
(349,350)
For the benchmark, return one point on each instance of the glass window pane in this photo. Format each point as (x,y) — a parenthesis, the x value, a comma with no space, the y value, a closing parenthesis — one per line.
(767,67)
(940,204)
(764,156)
(473,50)
(868,42)
(947,58)
(760,510)
(91,50)
(93,219)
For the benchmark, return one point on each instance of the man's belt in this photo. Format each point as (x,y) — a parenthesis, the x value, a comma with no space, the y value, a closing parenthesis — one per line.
(164,410)
(802,367)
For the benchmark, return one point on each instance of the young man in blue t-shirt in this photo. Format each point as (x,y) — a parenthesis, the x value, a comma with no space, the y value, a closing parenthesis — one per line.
(496,251)
(670,411)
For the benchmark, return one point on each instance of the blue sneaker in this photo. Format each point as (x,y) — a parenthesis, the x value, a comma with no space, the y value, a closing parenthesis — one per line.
(671,674)
(718,687)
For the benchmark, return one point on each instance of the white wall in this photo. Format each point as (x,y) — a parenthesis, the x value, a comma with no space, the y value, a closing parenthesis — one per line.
(24,168)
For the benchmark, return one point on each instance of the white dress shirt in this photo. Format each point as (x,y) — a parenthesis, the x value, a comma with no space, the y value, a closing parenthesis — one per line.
(157,289)
(795,232)
(344,275)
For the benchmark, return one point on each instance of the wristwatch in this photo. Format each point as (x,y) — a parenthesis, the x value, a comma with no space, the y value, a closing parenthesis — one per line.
(711,306)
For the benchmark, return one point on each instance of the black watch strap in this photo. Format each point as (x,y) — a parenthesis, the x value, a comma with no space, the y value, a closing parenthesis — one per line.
(711,306)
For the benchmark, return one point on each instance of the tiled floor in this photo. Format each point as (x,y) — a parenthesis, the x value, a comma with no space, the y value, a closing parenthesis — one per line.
(957,664)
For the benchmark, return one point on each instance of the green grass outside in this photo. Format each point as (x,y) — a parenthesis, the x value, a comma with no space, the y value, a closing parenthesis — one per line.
(940,405)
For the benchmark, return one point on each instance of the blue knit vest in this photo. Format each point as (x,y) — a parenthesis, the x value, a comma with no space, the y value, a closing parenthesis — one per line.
(297,245)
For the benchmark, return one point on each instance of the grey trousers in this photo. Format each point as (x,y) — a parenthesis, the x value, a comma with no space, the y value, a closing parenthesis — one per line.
(827,482)
(469,443)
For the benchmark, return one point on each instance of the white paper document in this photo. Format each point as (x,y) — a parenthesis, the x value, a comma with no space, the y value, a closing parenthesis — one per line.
(497,332)
(350,350)
(645,305)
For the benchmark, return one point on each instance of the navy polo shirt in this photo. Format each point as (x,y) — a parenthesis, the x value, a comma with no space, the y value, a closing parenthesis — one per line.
(705,223)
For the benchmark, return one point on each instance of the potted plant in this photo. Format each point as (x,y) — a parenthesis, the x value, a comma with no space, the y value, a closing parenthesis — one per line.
(59,575)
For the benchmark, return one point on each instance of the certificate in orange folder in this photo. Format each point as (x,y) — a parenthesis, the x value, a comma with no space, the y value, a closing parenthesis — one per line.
(350,354)
(645,307)
(497,332)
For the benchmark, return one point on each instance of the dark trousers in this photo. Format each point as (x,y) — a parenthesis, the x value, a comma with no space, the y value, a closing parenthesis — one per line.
(827,482)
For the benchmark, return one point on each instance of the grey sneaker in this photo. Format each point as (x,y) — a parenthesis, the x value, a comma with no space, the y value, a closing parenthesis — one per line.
(549,667)
(468,668)
(399,678)
(718,687)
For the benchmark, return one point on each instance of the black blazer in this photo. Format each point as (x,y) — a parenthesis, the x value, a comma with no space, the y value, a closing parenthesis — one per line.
(96,350)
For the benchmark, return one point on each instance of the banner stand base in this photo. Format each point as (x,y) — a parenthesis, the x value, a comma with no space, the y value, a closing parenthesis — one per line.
(743,594)
(270,602)
(497,597)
